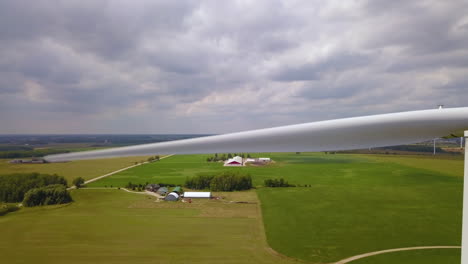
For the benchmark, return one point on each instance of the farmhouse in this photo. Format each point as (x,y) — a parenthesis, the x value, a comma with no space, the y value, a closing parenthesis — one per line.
(197,194)
(236,161)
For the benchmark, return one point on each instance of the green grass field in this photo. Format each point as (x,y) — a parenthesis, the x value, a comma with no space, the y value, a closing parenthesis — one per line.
(432,256)
(292,167)
(113,226)
(86,169)
(357,203)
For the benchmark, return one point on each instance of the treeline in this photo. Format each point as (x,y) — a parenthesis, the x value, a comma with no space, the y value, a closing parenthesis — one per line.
(141,187)
(223,157)
(14,154)
(13,187)
(226,182)
(14,148)
(155,158)
(47,195)
(277,183)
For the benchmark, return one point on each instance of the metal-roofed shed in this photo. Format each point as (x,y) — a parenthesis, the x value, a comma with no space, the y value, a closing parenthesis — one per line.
(197,194)
(177,189)
(172,197)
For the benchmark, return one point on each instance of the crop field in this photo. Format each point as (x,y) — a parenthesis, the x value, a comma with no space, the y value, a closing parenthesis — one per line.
(86,169)
(113,226)
(356,203)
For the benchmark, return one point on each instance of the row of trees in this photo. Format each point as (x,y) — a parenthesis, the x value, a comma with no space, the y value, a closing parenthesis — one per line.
(14,186)
(277,183)
(223,157)
(47,195)
(141,187)
(225,181)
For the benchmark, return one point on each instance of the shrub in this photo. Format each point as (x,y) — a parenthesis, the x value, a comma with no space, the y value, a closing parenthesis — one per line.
(7,208)
(277,183)
(78,182)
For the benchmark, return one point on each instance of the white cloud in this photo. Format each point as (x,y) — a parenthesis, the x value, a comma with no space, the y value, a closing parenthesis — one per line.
(212,67)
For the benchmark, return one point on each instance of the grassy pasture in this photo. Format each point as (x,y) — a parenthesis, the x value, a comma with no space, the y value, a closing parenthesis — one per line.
(86,169)
(112,226)
(359,207)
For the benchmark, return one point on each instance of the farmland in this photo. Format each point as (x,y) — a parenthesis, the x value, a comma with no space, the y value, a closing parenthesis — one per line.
(113,226)
(86,169)
(355,204)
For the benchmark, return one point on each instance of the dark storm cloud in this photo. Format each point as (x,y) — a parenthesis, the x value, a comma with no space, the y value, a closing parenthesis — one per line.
(217,66)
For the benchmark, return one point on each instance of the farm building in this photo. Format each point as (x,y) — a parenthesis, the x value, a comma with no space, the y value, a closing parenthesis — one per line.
(236,161)
(257,161)
(177,189)
(197,194)
(172,197)
(162,191)
(152,187)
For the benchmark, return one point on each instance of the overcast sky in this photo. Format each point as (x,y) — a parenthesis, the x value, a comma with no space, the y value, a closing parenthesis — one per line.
(224,66)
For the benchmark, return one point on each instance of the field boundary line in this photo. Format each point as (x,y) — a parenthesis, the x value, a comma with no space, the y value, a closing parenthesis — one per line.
(117,171)
(365,255)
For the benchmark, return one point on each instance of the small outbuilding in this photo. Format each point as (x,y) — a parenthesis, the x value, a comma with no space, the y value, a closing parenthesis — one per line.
(197,194)
(264,159)
(172,197)
(162,191)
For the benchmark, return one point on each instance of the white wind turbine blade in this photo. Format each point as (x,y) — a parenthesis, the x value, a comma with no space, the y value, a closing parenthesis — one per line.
(339,134)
